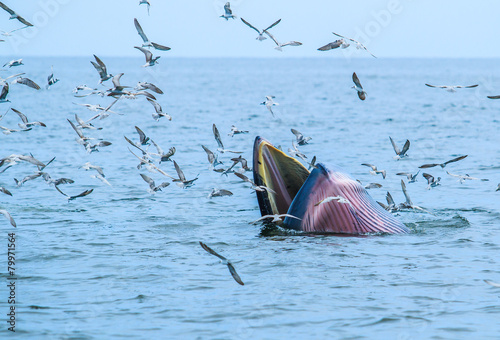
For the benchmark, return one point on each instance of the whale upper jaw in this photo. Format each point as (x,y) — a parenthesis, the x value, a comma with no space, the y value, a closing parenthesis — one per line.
(298,193)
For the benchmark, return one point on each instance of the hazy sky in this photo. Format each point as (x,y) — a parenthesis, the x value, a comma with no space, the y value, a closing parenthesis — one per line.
(192,28)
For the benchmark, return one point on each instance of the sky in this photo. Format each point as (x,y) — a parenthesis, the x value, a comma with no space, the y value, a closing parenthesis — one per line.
(193,28)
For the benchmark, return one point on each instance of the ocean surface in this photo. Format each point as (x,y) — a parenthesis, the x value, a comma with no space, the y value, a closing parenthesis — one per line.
(125,263)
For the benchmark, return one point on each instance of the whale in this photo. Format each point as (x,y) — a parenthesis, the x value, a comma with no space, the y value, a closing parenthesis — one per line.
(298,192)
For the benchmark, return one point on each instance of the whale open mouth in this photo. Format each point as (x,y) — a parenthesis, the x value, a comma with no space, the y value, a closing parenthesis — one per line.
(299,192)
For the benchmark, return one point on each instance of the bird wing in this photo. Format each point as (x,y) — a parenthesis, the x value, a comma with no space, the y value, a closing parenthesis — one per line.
(155,105)
(61,191)
(6,213)
(140,31)
(28,82)
(297,134)
(102,73)
(78,132)
(408,200)
(160,47)
(116,79)
(147,53)
(152,87)
(338,35)
(425,166)
(24,21)
(428,177)
(21,115)
(158,148)
(227,9)
(179,172)
(356,81)
(330,46)
(142,136)
(3,6)
(362,95)
(243,177)
(455,159)
(396,148)
(211,251)
(79,120)
(389,199)
(249,25)
(439,86)
(273,24)
(494,97)
(470,86)
(292,43)
(234,274)
(370,165)
(210,154)
(5,91)
(272,37)
(217,136)
(148,180)
(405,147)
(85,193)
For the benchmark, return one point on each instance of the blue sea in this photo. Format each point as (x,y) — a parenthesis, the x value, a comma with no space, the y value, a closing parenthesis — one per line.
(125,263)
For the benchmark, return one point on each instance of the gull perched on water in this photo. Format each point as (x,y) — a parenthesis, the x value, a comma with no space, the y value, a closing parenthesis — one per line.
(431,181)
(337,43)
(261,36)
(228,13)
(152,186)
(235,131)
(14,15)
(400,153)
(279,46)
(26,81)
(159,112)
(51,80)
(269,103)
(101,69)
(25,124)
(462,178)
(374,170)
(12,63)
(183,183)
(150,61)
(7,215)
(70,198)
(145,2)
(357,86)
(359,45)
(255,187)
(411,178)
(225,261)
(146,42)
(275,218)
(301,140)
(452,88)
(295,152)
(442,165)
(220,193)
(339,199)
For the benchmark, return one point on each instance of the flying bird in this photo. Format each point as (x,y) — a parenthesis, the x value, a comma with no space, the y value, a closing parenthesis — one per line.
(6,213)
(25,124)
(254,186)
(301,140)
(295,151)
(26,81)
(359,46)
(219,141)
(463,178)
(101,69)
(336,44)
(182,182)
(14,15)
(339,199)
(164,157)
(70,198)
(375,171)
(235,131)
(152,186)
(12,63)
(269,103)
(220,193)
(212,157)
(261,36)
(357,86)
(225,261)
(159,112)
(146,42)
(279,46)
(275,218)
(431,181)
(150,61)
(51,80)
(145,2)
(452,88)
(411,178)
(400,153)
(442,165)
(228,13)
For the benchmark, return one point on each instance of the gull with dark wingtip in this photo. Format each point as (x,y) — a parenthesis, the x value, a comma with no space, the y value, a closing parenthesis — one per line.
(159,112)
(150,61)
(279,46)
(70,198)
(14,15)
(358,87)
(261,36)
(25,124)
(411,178)
(442,165)
(220,193)
(359,46)
(431,181)
(101,69)
(463,178)
(375,171)
(224,261)
(301,140)
(152,186)
(181,181)
(452,88)
(269,103)
(228,13)
(400,153)
(146,42)
(15,62)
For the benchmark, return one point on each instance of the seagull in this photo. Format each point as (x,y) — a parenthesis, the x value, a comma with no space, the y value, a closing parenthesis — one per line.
(145,2)
(6,213)
(339,199)
(56,182)
(16,62)
(85,125)
(9,33)
(143,139)
(101,178)
(219,193)
(235,131)
(219,141)
(225,261)
(50,79)
(101,69)
(431,181)
(150,61)
(491,283)
(275,218)
(357,86)
(27,178)
(88,166)
(374,170)
(152,186)
(163,156)
(452,88)
(243,161)
(4,93)
(228,13)
(373,186)
(26,81)
(5,191)
(182,179)
(301,140)
(408,203)
(14,159)
(400,153)
(70,198)
(279,46)
(391,206)
(146,42)
(14,15)
(337,43)
(255,187)
(411,178)
(462,178)
(147,86)
(261,36)
(269,103)
(4,81)
(295,152)
(83,88)
(359,45)
(212,157)
(159,113)
(25,124)
(442,165)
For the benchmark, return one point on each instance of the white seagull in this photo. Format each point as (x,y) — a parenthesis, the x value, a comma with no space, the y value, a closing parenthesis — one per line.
(359,45)
(357,86)
(279,46)
(269,103)
(261,36)
(452,88)
(228,13)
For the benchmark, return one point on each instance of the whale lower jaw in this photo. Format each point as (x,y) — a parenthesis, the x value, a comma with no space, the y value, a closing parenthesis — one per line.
(298,193)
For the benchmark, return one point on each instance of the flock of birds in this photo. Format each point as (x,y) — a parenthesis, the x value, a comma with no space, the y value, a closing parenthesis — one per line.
(152,160)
